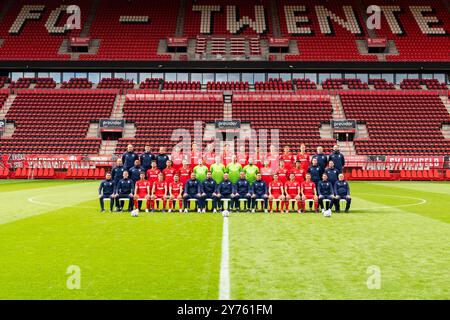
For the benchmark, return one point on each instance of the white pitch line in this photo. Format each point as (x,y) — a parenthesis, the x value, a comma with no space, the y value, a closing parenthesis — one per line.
(419,203)
(224,284)
(48,204)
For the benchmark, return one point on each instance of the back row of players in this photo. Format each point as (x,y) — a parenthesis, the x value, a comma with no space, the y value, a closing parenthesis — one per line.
(270,179)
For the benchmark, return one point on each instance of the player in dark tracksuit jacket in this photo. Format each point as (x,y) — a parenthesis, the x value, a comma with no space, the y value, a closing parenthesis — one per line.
(332,173)
(259,192)
(342,191)
(325,189)
(209,187)
(135,172)
(147,158)
(192,190)
(161,159)
(243,191)
(315,171)
(322,158)
(225,189)
(129,157)
(106,191)
(124,189)
(117,171)
(338,158)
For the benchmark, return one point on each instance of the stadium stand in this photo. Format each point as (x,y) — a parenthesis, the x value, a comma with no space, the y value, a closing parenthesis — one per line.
(399,123)
(157,118)
(56,121)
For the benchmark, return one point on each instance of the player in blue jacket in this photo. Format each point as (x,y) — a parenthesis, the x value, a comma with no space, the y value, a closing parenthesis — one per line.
(243,191)
(124,189)
(106,191)
(135,171)
(326,192)
(117,171)
(259,192)
(192,190)
(338,158)
(209,187)
(315,171)
(129,157)
(332,173)
(147,158)
(342,191)
(322,158)
(225,190)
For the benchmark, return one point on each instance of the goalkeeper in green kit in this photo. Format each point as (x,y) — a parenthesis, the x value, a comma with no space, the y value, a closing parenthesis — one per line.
(234,169)
(217,169)
(251,171)
(200,171)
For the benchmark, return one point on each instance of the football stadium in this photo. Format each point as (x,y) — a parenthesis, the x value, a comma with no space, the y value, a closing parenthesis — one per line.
(225,150)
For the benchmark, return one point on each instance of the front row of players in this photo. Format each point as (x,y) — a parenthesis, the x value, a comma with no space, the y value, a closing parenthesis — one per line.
(275,194)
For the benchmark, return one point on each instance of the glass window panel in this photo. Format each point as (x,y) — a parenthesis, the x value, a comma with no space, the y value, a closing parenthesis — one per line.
(208,77)
(43,75)
(56,76)
(413,76)
(323,77)
(273,75)
(68,75)
(196,77)
(248,77)
(157,75)
(221,77)
(389,77)
(364,77)
(427,76)
(260,77)
(234,77)
(350,76)
(81,75)
(94,77)
(286,76)
(105,75)
(399,77)
(298,76)
(171,77)
(16,75)
(311,76)
(182,76)
(440,77)
(29,74)
(336,75)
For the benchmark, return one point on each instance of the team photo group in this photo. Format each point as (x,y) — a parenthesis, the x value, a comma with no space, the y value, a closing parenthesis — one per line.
(228,181)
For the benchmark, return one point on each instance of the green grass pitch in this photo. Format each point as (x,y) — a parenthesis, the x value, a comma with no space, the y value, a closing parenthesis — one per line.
(401,228)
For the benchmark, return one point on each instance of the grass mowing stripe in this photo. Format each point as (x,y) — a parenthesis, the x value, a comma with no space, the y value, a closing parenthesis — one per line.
(154,256)
(16,204)
(224,287)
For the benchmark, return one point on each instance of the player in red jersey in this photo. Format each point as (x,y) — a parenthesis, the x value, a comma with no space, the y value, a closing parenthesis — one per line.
(282,172)
(304,157)
(309,192)
(299,172)
(142,191)
(195,155)
(258,159)
(152,174)
(276,192)
(209,157)
(227,155)
(274,157)
(159,192)
(185,172)
(288,158)
(169,172)
(242,156)
(177,158)
(176,193)
(293,191)
(266,172)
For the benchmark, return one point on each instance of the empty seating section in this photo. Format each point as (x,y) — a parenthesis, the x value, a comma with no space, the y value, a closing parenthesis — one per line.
(3,81)
(154,84)
(77,83)
(115,83)
(39,83)
(228,85)
(399,123)
(182,86)
(3,97)
(156,119)
(412,40)
(274,85)
(417,84)
(132,41)
(381,84)
(298,119)
(56,121)
(34,41)
(337,84)
(302,84)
